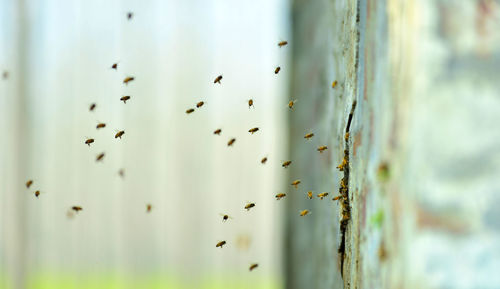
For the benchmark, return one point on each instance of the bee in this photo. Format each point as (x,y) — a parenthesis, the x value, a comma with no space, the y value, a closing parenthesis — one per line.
(310,195)
(200,104)
(218,79)
(130,15)
(121,172)
(119,134)
(304,212)
(100,125)
(5,74)
(89,141)
(309,135)
(322,195)
(125,98)
(263,160)
(231,142)
(277,70)
(282,43)
(296,183)
(128,79)
(189,110)
(334,84)
(291,103)
(149,207)
(220,244)
(280,196)
(286,164)
(250,103)
(253,266)
(253,130)
(92,106)
(217,131)
(114,66)
(337,198)
(99,157)
(322,148)
(225,217)
(76,208)
(346,136)
(342,165)
(29,183)
(249,206)
(37,193)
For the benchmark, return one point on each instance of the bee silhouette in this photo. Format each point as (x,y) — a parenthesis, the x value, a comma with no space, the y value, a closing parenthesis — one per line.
(99,157)
(128,79)
(253,130)
(100,125)
(120,134)
(282,43)
(296,183)
(280,196)
(114,66)
(277,70)
(29,183)
(263,160)
(92,106)
(130,15)
(89,141)
(220,244)
(218,79)
(286,164)
(322,148)
(231,142)
(200,104)
(76,208)
(253,266)
(217,131)
(125,98)
(248,206)
(309,135)
(304,213)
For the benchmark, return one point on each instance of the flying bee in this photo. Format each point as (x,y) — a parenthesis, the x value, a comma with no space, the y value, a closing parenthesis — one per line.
(100,125)
(218,79)
(220,244)
(37,193)
(119,134)
(114,66)
(277,70)
(92,106)
(286,164)
(334,84)
(200,104)
(253,266)
(225,217)
(99,157)
(128,79)
(304,212)
(253,130)
(282,43)
(249,206)
(89,141)
(231,142)
(291,103)
(280,196)
(217,131)
(337,198)
(263,160)
(250,103)
(322,148)
(310,195)
(309,135)
(29,183)
(189,110)
(76,208)
(296,183)
(130,15)
(322,195)
(121,172)
(149,207)
(342,165)
(125,98)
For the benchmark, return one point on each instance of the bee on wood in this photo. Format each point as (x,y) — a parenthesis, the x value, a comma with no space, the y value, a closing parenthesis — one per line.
(346,136)
(200,104)
(231,142)
(37,193)
(220,244)
(310,195)
(29,183)
(225,217)
(149,207)
(286,164)
(121,173)
(217,131)
(296,183)
(291,103)
(304,213)
(89,141)
(114,66)
(120,134)
(334,84)
(253,266)
(128,79)
(282,43)
(99,157)
(280,196)
(322,195)
(250,103)
(190,110)
(92,106)
(130,15)
(76,208)
(125,98)
(342,165)
(277,70)
(322,148)
(249,206)
(100,125)
(309,135)
(253,130)
(218,79)
(263,160)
